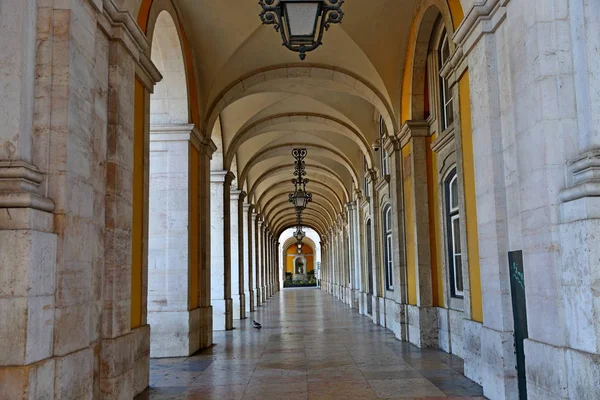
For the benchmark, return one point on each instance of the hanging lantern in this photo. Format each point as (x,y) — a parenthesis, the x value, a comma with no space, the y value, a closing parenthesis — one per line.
(301,23)
(300,198)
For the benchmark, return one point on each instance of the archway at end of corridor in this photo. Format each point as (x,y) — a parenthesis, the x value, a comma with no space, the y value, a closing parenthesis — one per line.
(300,266)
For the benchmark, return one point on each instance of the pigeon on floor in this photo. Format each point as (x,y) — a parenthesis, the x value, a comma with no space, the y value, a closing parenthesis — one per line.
(256,324)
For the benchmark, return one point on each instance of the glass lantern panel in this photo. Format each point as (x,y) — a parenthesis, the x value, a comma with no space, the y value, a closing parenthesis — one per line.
(301,18)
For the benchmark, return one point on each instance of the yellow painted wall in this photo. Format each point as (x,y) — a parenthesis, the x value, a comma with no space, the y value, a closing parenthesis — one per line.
(409,220)
(137,229)
(433,193)
(470,199)
(457,15)
(457,12)
(194,224)
(292,252)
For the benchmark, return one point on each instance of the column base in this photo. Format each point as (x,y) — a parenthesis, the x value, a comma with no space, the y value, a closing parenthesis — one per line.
(141,359)
(174,333)
(471,333)
(243,311)
(498,360)
(250,296)
(574,374)
(392,322)
(222,314)
(422,326)
(382,314)
(376,311)
(116,368)
(33,381)
(263,294)
(236,306)
(355,295)
(362,303)
(258,297)
(206,327)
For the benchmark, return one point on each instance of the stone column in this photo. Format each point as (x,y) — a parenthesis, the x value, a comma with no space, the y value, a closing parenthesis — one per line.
(579,228)
(267,263)
(376,276)
(237,279)
(333,260)
(206,151)
(349,259)
(257,267)
(422,316)
(28,244)
(245,265)
(340,258)
(251,257)
(277,265)
(175,326)
(220,211)
(263,245)
(393,148)
(351,206)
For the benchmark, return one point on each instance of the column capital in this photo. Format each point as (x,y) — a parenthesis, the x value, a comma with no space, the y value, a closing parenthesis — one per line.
(392,144)
(207,147)
(225,177)
(120,25)
(238,195)
(176,133)
(412,129)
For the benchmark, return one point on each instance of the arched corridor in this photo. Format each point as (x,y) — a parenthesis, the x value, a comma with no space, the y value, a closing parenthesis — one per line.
(421,175)
(310,347)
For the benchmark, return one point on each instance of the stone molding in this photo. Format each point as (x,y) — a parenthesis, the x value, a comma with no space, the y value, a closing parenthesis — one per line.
(120,25)
(443,141)
(19,182)
(392,144)
(237,195)
(412,129)
(483,17)
(208,147)
(225,177)
(176,133)
(382,183)
(584,175)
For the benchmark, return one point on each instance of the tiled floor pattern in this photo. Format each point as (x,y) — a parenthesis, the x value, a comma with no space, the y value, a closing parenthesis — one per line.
(311,346)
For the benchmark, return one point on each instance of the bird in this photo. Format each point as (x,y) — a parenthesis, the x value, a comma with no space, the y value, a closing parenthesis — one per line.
(256,324)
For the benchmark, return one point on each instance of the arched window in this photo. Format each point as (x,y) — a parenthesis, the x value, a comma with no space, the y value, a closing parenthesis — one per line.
(453,236)
(388,249)
(446,100)
(385,160)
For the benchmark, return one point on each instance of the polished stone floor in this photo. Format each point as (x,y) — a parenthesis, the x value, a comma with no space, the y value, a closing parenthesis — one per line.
(311,346)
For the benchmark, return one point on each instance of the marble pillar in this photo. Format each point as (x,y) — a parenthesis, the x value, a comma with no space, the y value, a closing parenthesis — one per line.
(251,251)
(175,325)
(220,211)
(237,279)
(258,260)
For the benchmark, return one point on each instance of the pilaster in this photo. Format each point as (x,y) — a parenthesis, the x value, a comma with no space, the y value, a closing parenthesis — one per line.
(394,150)
(421,316)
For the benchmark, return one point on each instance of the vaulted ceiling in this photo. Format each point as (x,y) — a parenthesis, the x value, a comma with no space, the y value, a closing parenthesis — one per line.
(258,101)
